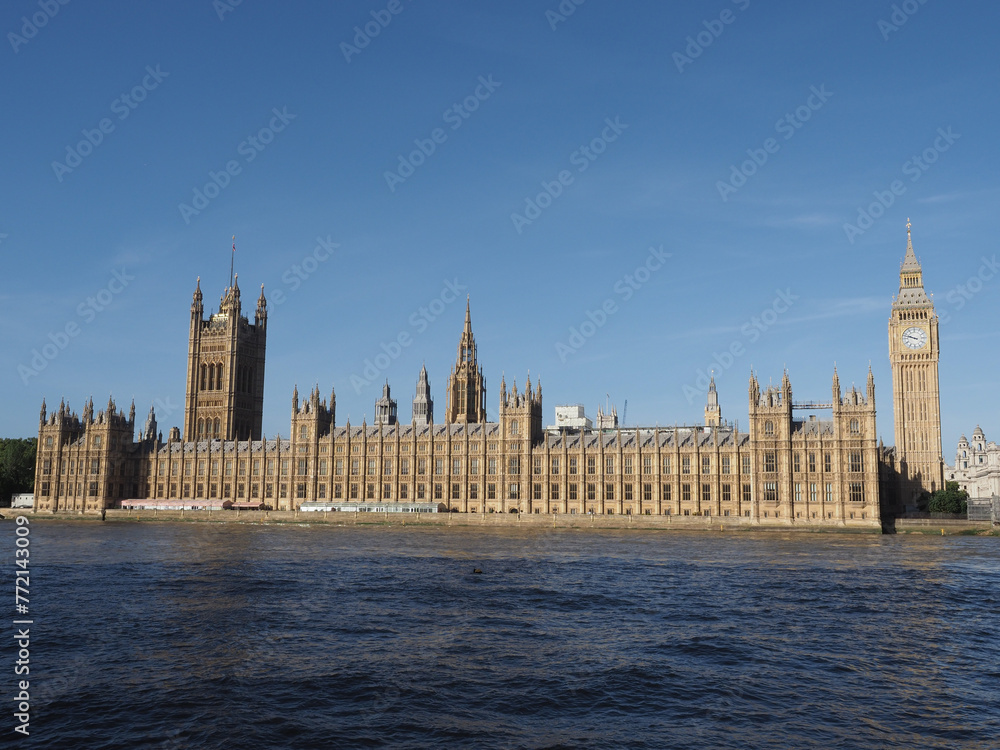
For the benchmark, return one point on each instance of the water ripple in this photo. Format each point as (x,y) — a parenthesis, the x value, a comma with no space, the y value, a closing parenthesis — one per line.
(212,636)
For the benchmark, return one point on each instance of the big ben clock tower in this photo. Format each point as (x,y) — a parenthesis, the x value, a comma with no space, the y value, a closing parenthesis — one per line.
(914,350)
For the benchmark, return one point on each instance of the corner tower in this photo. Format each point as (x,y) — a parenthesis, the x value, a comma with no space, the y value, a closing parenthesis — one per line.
(224,398)
(914,351)
(466,386)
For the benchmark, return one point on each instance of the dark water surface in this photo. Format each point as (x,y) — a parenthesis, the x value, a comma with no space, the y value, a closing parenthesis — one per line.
(229,636)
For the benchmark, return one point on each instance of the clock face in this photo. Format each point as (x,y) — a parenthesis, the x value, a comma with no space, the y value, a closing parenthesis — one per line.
(915,338)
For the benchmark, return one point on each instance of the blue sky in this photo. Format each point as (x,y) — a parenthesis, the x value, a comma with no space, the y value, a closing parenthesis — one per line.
(672,181)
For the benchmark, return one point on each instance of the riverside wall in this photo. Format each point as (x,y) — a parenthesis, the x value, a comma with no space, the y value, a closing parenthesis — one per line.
(486,520)
(516,520)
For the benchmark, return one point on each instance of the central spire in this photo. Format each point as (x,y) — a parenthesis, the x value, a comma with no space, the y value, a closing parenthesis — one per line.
(467,344)
(466,386)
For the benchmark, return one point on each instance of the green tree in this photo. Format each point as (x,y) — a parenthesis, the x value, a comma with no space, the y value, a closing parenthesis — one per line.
(17,467)
(949,500)
(923,501)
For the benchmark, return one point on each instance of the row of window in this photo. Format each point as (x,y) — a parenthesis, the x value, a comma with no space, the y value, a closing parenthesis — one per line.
(384,491)
(388,447)
(437,466)
(209,428)
(71,466)
(574,491)
(855,492)
(67,489)
(213,378)
(376,491)
(513,465)
(855,462)
(96,441)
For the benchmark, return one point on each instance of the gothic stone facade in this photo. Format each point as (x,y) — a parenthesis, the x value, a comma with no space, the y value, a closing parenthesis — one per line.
(783,470)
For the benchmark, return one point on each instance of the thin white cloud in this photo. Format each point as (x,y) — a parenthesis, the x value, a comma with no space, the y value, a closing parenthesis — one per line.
(943,198)
(805,220)
(842,308)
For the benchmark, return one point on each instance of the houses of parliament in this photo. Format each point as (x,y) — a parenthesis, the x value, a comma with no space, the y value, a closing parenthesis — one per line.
(783,470)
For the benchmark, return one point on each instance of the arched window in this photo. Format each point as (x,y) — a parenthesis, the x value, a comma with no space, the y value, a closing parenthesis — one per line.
(201,428)
(769,427)
(211,377)
(204,377)
(855,427)
(513,427)
(215,428)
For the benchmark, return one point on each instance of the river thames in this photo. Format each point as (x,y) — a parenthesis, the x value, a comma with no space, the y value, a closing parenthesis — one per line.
(188,635)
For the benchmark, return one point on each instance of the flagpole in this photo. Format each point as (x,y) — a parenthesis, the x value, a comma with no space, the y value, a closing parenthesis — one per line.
(232,259)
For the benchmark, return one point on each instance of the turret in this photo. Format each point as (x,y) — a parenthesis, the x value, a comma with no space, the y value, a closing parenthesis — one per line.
(423,405)
(713,414)
(150,429)
(232,297)
(385,407)
(261,316)
(197,308)
(754,391)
